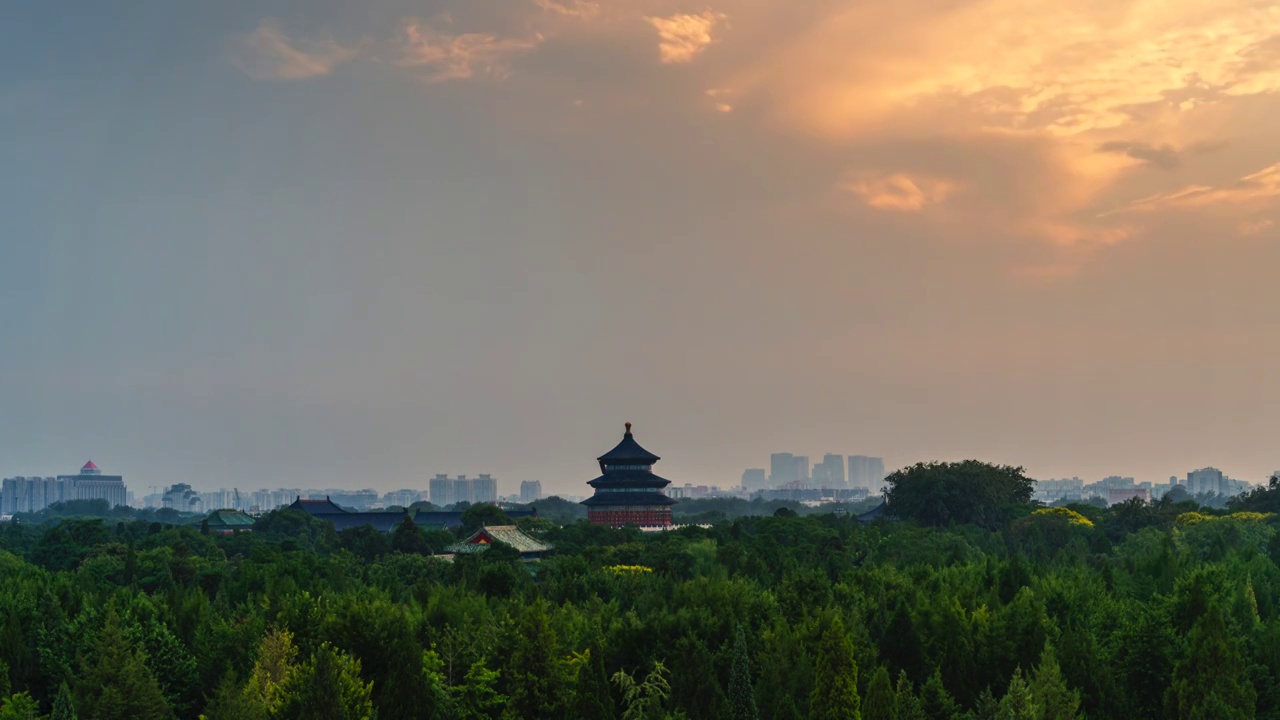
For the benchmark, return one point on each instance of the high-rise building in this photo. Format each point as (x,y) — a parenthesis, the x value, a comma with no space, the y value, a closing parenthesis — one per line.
(530,491)
(484,489)
(829,473)
(866,472)
(91,484)
(461,489)
(754,479)
(782,469)
(441,490)
(802,469)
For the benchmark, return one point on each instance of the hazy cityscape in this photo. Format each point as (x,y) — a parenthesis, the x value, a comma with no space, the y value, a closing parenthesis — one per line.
(790,477)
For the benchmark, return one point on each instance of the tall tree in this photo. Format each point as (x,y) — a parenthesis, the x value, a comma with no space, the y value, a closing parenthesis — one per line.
(946,493)
(1017,703)
(63,706)
(1049,689)
(114,682)
(274,666)
(936,702)
(742,697)
(533,675)
(1211,682)
(881,702)
(835,691)
(591,696)
(409,538)
(908,703)
(327,687)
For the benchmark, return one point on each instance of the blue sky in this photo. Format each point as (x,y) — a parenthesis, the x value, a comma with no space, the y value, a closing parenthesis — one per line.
(358,244)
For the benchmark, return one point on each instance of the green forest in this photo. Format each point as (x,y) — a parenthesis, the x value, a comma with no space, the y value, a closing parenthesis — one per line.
(967,601)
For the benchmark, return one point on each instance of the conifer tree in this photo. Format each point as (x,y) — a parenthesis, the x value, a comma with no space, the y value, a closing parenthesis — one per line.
(1017,703)
(936,702)
(1211,681)
(477,697)
(275,664)
(114,682)
(533,673)
(440,705)
(742,697)
(908,703)
(835,691)
(63,707)
(1050,692)
(881,702)
(591,696)
(327,687)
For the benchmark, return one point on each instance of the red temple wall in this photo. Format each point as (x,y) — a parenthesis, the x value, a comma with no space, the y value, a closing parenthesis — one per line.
(619,518)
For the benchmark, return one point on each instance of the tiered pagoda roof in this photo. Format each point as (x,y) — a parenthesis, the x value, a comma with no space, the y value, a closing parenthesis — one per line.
(627,484)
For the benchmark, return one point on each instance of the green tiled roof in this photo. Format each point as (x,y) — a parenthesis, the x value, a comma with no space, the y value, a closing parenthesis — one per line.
(505,534)
(229,518)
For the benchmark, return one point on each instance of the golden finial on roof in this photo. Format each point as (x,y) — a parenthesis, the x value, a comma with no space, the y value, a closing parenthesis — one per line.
(628,428)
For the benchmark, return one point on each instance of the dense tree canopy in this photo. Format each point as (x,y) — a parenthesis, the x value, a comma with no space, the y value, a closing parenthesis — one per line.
(959,612)
(955,493)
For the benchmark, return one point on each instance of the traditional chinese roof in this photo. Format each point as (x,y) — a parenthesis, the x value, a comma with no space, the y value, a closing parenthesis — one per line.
(481,539)
(89,466)
(385,520)
(229,519)
(607,499)
(627,452)
(629,478)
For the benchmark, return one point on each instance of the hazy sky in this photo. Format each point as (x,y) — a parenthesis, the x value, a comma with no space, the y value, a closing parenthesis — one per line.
(319,243)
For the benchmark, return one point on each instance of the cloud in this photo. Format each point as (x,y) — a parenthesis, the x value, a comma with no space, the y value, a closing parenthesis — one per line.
(1256,188)
(898,191)
(453,57)
(581,9)
(1163,156)
(1249,228)
(683,37)
(268,53)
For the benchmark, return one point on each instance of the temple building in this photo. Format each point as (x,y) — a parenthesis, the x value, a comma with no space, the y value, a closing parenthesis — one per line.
(628,493)
(386,520)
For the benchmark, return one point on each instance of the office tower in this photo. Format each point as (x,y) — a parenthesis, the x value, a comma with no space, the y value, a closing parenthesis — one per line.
(754,479)
(530,491)
(866,472)
(830,472)
(802,468)
(782,469)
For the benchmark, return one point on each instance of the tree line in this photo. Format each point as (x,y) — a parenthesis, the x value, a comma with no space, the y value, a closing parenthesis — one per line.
(970,601)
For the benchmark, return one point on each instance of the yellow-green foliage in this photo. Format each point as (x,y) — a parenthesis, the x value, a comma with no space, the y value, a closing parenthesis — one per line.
(1194,518)
(1071,516)
(629,569)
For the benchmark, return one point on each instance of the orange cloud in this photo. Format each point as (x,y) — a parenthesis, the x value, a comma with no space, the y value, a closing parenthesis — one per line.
(268,53)
(454,57)
(581,9)
(1263,185)
(898,191)
(683,37)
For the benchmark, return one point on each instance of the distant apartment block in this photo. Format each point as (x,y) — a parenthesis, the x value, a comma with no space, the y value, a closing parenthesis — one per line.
(1118,495)
(829,473)
(33,494)
(1211,480)
(866,472)
(530,491)
(450,491)
(754,479)
(785,469)
(1066,489)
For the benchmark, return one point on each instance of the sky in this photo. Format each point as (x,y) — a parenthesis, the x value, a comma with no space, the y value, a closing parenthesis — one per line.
(319,244)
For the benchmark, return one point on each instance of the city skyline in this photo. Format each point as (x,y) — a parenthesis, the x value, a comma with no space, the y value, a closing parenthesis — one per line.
(263,240)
